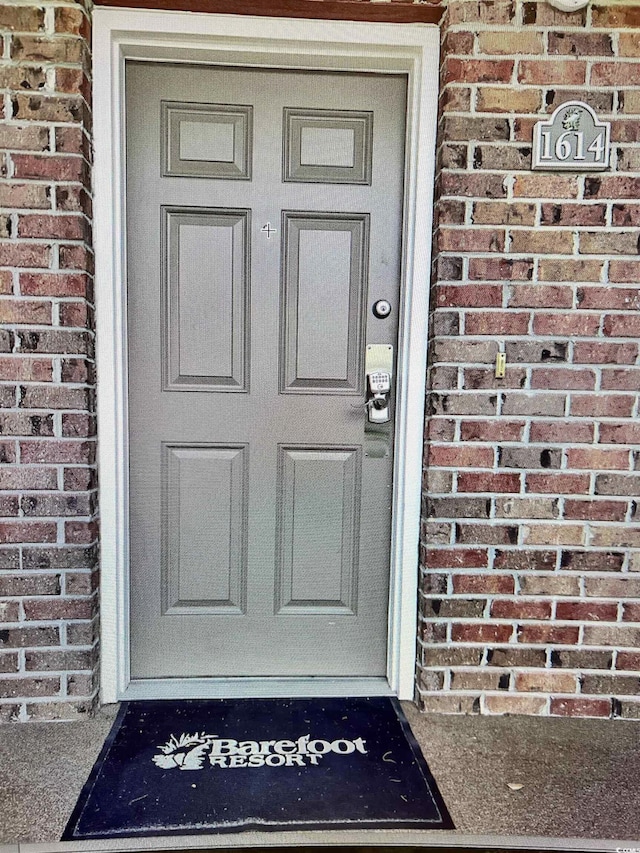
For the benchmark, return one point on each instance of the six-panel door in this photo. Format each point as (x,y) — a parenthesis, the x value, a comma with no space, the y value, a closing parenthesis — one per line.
(263,222)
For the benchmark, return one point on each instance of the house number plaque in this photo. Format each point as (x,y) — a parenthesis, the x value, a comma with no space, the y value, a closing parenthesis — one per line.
(573,140)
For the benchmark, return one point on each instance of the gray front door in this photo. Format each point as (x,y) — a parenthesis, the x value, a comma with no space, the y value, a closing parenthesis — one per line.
(263,223)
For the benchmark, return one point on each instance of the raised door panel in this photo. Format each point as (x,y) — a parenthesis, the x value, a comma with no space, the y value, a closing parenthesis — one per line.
(207,140)
(204,523)
(205,299)
(323,299)
(318,523)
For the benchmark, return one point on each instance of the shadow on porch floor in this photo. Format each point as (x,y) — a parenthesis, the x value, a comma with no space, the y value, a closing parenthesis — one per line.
(579,779)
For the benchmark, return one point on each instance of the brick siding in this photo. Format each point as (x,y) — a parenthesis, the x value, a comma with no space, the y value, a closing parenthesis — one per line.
(530,545)
(48,527)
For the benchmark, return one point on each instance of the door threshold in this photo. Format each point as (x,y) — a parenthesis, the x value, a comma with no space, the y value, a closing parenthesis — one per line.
(254,688)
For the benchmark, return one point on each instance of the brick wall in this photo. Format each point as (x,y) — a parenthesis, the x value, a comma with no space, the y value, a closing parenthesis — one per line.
(530,548)
(47,447)
(530,555)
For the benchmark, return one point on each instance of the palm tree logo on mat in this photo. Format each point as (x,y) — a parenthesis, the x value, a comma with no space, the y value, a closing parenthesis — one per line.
(188,752)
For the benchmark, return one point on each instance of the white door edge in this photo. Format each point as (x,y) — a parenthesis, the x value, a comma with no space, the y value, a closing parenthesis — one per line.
(412,49)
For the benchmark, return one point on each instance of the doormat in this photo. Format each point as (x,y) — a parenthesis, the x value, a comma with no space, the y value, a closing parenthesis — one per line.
(227,765)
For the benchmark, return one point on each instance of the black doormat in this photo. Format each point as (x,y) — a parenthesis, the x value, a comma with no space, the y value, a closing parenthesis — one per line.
(225,765)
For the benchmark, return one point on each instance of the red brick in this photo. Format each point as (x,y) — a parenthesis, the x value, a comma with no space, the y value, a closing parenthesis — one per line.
(484,584)
(621,380)
(53,284)
(470,240)
(580,44)
(612,187)
(505,609)
(503,213)
(24,255)
(477,70)
(496,430)
(20,478)
(621,433)
(595,458)
(76,258)
(622,325)
(629,42)
(548,635)
(465,558)
(51,227)
(79,479)
(540,296)
(458,42)
(598,352)
(572,214)
(544,72)
(500,269)
(487,482)
(462,457)
(631,612)
(561,432)
(7,452)
(477,296)
(73,197)
(628,661)
(8,662)
(563,378)
(625,271)
(26,370)
(586,611)
(75,314)
(57,452)
(496,323)
(21,19)
(615,74)
(580,707)
(18,687)
(73,140)
(585,325)
(602,405)
(71,21)
(479,185)
(595,510)
(623,298)
(49,108)
(480,633)
(440,429)
(81,532)
(63,608)
(25,531)
(28,196)
(49,167)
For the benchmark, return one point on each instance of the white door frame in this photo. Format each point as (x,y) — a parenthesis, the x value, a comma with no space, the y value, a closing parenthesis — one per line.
(411,49)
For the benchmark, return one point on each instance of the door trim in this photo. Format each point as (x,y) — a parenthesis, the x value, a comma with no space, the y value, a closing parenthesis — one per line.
(409,49)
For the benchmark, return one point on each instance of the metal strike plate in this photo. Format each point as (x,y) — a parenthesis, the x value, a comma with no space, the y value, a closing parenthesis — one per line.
(379,359)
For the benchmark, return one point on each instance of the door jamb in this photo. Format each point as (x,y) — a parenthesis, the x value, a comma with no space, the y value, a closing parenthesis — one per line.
(412,49)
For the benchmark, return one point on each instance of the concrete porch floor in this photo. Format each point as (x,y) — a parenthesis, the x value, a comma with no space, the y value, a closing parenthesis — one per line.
(580,780)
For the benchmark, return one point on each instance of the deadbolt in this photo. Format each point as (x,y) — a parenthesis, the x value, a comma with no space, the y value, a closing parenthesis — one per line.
(381,309)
